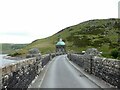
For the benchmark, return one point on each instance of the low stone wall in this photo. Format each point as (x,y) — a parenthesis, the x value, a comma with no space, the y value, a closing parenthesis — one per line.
(107,69)
(21,74)
(104,68)
(76,58)
(45,60)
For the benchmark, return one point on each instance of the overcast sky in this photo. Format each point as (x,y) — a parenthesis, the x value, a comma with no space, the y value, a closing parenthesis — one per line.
(22,21)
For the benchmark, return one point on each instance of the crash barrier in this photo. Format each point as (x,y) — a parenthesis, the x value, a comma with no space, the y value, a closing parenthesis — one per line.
(22,73)
(104,68)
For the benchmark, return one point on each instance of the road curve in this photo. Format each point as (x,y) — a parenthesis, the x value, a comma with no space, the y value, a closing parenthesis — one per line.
(61,74)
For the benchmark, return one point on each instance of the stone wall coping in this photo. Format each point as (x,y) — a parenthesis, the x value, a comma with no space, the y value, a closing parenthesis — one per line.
(16,66)
(103,58)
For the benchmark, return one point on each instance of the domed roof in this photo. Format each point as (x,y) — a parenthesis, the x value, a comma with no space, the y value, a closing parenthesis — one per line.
(60,42)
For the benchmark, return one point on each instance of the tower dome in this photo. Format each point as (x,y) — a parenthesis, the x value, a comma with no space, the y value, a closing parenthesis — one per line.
(60,43)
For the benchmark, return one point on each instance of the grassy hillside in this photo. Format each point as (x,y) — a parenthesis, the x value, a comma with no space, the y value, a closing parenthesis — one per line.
(101,34)
(8,48)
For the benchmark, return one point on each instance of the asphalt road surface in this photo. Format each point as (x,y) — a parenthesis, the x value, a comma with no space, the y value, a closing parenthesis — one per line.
(61,74)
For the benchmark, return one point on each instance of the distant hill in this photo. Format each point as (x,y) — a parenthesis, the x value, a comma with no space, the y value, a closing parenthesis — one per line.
(100,33)
(10,48)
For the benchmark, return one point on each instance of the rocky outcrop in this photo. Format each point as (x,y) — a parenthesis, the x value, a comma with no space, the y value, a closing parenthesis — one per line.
(34,53)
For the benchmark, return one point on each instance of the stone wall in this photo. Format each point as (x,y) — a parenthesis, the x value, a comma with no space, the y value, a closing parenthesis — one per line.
(107,69)
(21,74)
(76,58)
(45,60)
(104,68)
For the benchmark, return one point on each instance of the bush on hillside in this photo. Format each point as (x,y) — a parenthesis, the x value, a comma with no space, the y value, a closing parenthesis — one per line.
(14,54)
(82,41)
(114,44)
(119,55)
(114,53)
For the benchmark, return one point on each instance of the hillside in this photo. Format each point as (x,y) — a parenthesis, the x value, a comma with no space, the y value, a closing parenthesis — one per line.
(100,33)
(8,48)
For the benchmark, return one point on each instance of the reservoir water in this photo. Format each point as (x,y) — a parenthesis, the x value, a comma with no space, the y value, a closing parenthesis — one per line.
(4,62)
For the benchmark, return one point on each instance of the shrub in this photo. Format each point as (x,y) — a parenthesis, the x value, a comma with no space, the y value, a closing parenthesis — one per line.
(114,53)
(119,55)
(97,43)
(114,44)
(82,41)
(14,54)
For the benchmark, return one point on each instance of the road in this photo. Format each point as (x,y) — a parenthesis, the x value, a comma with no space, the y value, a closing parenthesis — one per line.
(61,74)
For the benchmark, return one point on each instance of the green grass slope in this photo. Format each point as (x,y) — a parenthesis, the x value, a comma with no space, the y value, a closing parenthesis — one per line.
(100,33)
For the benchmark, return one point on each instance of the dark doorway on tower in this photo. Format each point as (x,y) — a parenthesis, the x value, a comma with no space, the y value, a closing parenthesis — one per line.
(60,47)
